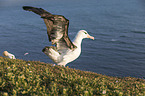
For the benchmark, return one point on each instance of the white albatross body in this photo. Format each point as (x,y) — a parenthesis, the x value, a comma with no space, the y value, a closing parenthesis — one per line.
(69,55)
(64,50)
(9,55)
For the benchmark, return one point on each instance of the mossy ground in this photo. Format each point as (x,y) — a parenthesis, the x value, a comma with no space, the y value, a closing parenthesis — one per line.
(19,77)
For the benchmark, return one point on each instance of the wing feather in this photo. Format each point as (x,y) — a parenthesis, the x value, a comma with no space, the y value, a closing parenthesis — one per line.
(57,28)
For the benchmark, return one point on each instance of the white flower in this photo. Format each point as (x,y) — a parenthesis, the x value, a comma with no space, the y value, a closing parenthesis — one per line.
(30,71)
(28,63)
(8,67)
(104,92)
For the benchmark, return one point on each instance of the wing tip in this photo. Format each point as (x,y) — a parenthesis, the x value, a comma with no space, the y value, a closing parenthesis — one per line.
(27,7)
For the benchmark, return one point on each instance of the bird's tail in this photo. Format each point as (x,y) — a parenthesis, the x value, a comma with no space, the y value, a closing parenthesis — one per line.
(38,11)
(52,53)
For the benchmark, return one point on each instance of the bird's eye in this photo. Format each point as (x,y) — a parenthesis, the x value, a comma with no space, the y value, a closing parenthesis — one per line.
(85,32)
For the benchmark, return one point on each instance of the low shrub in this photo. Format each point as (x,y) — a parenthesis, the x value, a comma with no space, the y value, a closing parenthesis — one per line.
(19,77)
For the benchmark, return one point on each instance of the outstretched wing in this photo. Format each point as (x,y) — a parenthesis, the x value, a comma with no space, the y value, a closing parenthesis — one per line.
(57,28)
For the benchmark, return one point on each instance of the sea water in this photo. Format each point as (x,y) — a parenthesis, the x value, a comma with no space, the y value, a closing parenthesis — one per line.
(117,25)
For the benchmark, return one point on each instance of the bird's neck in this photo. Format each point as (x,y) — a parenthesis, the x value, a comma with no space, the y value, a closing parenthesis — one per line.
(78,40)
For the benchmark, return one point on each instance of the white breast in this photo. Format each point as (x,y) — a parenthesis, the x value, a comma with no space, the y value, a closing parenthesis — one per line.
(70,56)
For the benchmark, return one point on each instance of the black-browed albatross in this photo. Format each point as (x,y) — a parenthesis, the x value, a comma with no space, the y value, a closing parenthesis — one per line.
(64,50)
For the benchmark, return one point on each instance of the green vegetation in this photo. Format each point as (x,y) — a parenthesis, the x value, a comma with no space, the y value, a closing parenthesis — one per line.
(19,77)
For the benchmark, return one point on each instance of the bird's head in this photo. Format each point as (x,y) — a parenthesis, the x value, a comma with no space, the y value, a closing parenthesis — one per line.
(85,34)
(5,53)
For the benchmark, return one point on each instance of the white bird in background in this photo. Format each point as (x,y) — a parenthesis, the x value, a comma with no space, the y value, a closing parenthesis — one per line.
(9,55)
(64,50)
(26,54)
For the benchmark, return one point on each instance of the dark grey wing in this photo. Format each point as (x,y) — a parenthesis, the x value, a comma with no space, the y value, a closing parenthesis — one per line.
(57,28)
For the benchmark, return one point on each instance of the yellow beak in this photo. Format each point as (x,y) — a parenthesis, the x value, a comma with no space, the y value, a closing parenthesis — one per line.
(91,37)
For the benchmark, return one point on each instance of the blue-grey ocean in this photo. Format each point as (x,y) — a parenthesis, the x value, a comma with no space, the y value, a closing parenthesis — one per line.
(117,25)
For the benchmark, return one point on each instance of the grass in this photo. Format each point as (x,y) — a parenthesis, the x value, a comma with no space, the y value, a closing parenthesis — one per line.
(19,77)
